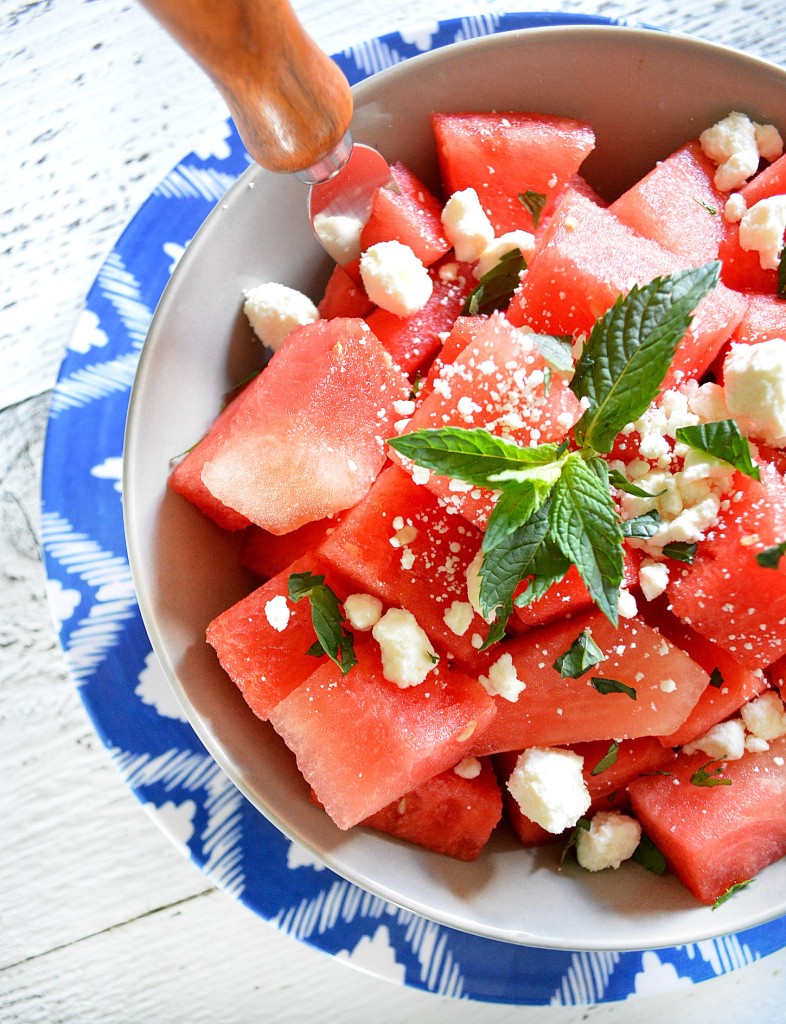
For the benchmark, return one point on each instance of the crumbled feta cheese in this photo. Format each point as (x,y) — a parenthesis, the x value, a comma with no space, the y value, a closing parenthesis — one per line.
(277,612)
(458,618)
(274,311)
(524,241)
(762,227)
(755,745)
(395,279)
(722,742)
(769,141)
(755,386)
(363,611)
(735,207)
(626,604)
(653,578)
(708,402)
(668,685)
(765,716)
(502,680)
(339,235)
(466,225)
(407,654)
(549,787)
(469,768)
(611,838)
(733,144)
(421,475)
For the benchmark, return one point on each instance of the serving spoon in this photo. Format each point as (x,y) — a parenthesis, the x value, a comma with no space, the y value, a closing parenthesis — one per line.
(290,102)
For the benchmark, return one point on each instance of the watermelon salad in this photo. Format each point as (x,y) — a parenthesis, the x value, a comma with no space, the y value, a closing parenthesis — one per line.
(511,494)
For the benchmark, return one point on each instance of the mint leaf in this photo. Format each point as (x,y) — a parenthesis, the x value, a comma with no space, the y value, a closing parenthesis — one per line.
(473,455)
(622,483)
(582,825)
(556,349)
(495,288)
(550,566)
(612,686)
(730,892)
(722,440)
(334,640)
(497,630)
(512,510)
(701,777)
(770,558)
(585,526)
(630,349)
(534,202)
(649,856)
(716,678)
(582,655)
(680,551)
(642,526)
(608,760)
(780,288)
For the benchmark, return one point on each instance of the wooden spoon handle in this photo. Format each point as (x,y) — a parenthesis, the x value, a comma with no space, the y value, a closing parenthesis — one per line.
(289,100)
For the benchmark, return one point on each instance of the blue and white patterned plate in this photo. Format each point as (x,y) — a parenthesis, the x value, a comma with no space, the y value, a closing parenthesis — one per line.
(135,713)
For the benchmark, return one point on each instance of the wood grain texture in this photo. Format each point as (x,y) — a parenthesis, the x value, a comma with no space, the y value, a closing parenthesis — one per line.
(101,920)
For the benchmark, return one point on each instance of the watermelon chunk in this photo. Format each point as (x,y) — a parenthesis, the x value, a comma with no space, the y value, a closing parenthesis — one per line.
(282,457)
(725,594)
(586,258)
(678,205)
(496,381)
(267,663)
(448,814)
(502,155)
(715,837)
(362,742)
(344,296)
(764,318)
(553,711)
(266,554)
(411,215)
(426,574)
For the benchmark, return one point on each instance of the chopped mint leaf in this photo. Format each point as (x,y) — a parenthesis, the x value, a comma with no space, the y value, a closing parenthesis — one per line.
(473,455)
(730,892)
(316,650)
(607,760)
(556,349)
(585,527)
(534,202)
(716,678)
(495,288)
(512,510)
(649,856)
(701,777)
(582,825)
(623,484)
(680,551)
(612,686)
(413,391)
(711,210)
(642,526)
(780,288)
(630,349)
(582,655)
(333,639)
(497,630)
(722,440)
(770,558)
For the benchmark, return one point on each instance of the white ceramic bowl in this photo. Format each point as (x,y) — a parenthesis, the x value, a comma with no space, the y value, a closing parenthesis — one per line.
(645,93)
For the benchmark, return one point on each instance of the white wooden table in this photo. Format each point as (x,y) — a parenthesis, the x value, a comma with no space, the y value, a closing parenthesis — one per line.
(100,918)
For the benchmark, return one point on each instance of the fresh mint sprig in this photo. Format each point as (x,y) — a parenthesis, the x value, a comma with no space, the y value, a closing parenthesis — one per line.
(332,637)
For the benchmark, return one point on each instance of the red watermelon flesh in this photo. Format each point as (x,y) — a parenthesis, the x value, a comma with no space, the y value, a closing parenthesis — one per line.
(742,269)
(411,215)
(677,205)
(714,837)
(361,742)
(427,574)
(725,594)
(284,458)
(266,554)
(344,296)
(267,663)
(586,258)
(764,318)
(448,814)
(737,684)
(552,711)
(502,155)
(496,382)
(413,340)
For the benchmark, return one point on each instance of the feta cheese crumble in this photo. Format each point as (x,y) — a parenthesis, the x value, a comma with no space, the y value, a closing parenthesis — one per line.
(458,618)
(549,787)
(363,611)
(735,144)
(765,716)
(611,838)
(524,241)
(653,578)
(339,235)
(274,311)
(502,680)
(722,742)
(277,612)
(466,225)
(407,654)
(395,279)
(755,388)
(761,229)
